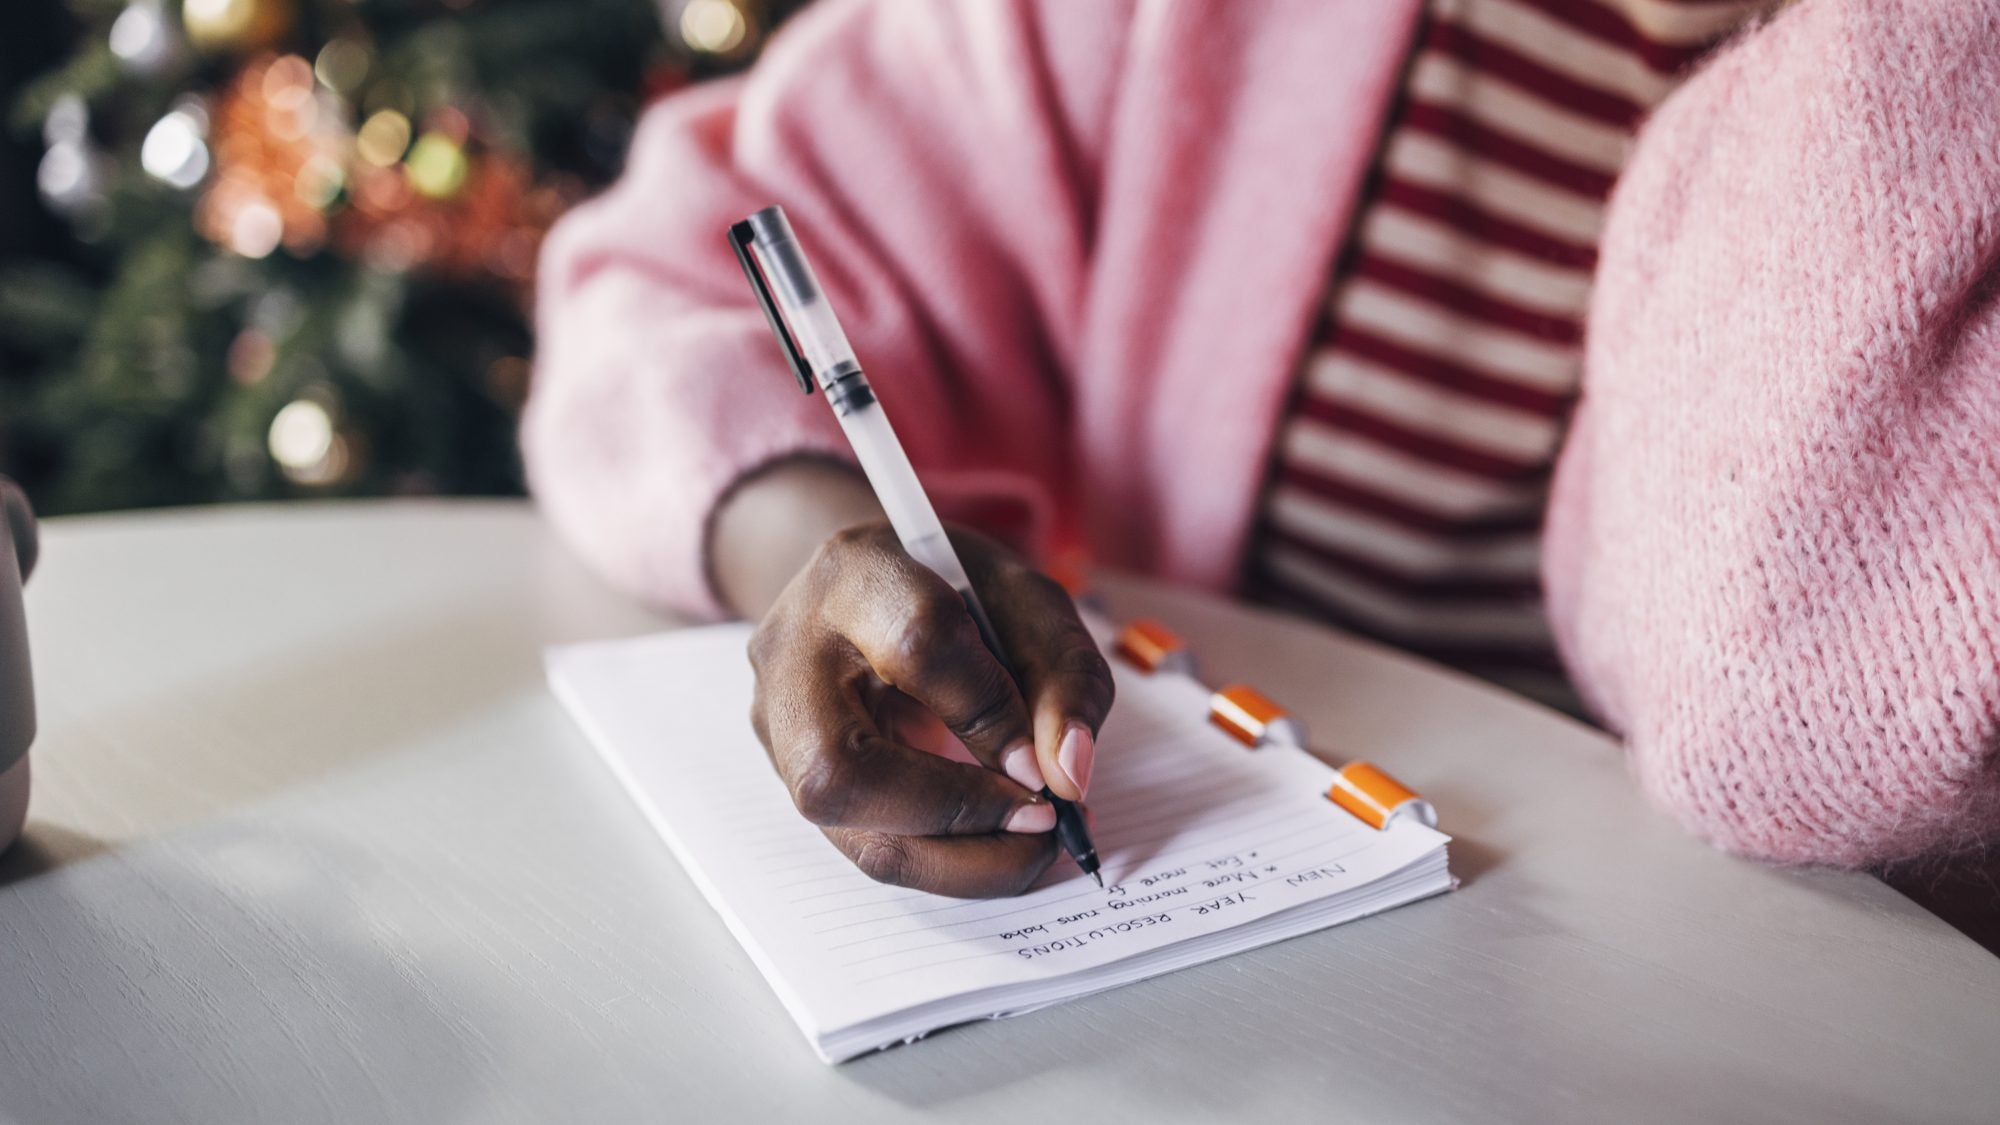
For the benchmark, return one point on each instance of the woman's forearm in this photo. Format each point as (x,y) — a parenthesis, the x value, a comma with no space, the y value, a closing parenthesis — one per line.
(1769,553)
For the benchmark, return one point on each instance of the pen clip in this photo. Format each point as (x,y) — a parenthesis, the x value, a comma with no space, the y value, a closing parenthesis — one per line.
(740,237)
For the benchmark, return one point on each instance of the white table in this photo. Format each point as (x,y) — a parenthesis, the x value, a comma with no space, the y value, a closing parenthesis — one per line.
(311,843)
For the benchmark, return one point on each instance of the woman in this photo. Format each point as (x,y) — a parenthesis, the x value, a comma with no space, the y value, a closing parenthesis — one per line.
(1286,298)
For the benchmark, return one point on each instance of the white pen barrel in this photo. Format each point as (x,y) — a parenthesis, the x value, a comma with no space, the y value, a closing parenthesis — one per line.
(896,485)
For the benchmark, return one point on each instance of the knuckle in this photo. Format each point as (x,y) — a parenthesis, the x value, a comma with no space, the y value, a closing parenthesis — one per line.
(885,859)
(846,541)
(832,563)
(992,712)
(820,789)
(849,542)
(922,632)
(963,814)
(1088,674)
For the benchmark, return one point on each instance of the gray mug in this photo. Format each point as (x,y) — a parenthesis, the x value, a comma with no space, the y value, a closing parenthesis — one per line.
(17,688)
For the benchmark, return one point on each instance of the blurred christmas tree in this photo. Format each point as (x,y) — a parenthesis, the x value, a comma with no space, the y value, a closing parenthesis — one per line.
(306,233)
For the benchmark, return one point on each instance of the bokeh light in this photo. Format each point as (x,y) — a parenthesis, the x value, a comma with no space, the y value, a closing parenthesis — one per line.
(714,26)
(175,151)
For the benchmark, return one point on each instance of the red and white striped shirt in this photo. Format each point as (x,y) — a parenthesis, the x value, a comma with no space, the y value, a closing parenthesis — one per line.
(1410,474)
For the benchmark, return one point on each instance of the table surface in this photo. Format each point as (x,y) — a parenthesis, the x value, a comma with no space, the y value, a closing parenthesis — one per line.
(311,842)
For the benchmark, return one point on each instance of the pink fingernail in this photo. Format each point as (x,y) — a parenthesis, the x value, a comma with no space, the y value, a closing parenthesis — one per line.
(1038,817)
(1074,756)
(1019,764)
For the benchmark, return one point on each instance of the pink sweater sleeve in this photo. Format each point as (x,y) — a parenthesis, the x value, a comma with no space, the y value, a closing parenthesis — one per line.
(936,160)
(1773,555)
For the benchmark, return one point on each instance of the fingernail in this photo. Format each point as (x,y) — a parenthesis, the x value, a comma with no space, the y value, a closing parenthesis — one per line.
(1074,756)
(1038,817)
(1019,763)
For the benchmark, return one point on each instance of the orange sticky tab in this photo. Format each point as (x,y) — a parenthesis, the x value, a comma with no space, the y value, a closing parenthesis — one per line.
(1375,798)
(1151,646)
(1252,718)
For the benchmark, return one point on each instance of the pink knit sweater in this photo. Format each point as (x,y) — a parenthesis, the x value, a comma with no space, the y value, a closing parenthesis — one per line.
(1079,247)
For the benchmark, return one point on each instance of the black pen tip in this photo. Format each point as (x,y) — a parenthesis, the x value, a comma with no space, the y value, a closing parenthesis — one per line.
(1099,878)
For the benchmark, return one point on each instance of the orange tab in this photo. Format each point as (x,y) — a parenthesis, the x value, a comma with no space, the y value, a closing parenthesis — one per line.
(1252,718)
(1151,646)
(1376,798)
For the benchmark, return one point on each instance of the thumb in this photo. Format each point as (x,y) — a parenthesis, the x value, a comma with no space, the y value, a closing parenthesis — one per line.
(1070,697)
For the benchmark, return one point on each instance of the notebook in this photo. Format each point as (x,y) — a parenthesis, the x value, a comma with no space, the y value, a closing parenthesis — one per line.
(1209,849)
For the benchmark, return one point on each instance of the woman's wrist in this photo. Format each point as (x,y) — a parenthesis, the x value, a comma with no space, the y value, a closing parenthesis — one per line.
(768,525)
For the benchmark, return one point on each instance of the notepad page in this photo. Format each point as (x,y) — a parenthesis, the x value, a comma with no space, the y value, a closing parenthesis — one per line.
(1198,837)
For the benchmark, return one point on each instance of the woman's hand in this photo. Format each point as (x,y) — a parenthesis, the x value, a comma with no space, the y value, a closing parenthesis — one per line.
(861,632)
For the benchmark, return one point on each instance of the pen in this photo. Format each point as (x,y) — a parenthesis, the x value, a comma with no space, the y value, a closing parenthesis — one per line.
(820,355)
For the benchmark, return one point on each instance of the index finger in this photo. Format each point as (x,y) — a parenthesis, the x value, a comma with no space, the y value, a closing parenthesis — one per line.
(843,772)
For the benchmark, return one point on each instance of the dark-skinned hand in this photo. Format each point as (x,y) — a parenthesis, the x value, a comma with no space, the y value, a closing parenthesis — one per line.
(862,640)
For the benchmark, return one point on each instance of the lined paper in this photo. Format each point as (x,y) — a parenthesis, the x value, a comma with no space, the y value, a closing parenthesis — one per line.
(1200,839)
